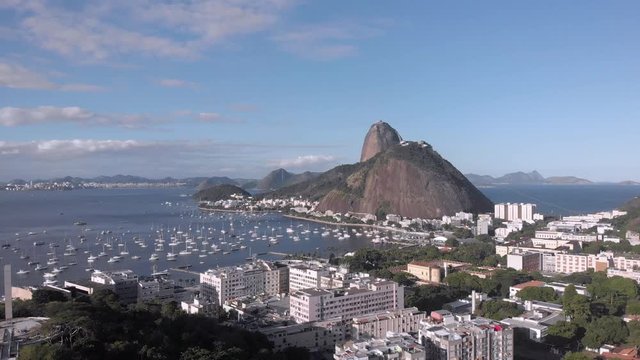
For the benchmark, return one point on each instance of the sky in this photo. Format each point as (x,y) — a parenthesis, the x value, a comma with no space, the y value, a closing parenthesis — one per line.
(241,87)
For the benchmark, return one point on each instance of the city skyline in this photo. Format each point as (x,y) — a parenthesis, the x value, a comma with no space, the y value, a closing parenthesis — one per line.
(218,88)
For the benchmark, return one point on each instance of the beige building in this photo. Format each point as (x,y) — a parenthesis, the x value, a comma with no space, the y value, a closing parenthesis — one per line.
(433,271)
(397,321)
(361,298)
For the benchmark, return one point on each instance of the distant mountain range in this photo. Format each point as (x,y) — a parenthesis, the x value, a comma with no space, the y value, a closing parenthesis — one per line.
(522,178)
(281,178)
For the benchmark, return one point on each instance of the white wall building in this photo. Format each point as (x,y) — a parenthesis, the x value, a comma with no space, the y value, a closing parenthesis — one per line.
(360,299)
(256,278)
(511,212)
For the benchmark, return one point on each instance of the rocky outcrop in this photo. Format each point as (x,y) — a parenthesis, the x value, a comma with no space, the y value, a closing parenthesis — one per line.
(412,181)
(409,179)
(380,137)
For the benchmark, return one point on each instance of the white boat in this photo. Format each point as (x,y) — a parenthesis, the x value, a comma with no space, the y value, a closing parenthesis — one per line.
(50,282)
(113,260)
(154,257)
(22,272)
(40,267)
(135,257)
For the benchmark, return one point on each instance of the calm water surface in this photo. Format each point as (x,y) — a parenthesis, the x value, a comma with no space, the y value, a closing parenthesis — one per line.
(130,220)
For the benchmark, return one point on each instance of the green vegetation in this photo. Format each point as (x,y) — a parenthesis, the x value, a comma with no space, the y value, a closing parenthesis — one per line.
(498,309)
(631,221)
(100,328)
(538,293)
(219,192)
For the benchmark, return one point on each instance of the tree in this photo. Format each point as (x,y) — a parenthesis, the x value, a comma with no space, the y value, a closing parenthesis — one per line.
(43,296)
(538,293)
(576,356)
(499,310)
(577,308)
(463,281)
(605,330)
(634,333)
(404,278)
(562,333)
(452,243)
(633,307)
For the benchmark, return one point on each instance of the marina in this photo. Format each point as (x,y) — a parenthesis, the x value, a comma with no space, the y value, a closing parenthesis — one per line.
(158,228)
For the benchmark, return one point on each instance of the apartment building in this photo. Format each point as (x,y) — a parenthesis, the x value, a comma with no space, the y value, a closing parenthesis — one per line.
(391,346)
(511,212)
(155,289)
(305,276)
(377,325)
(446,337)
(256,278)
(525,261)
(123,283)
(315,336)
(561,235)
(361,298)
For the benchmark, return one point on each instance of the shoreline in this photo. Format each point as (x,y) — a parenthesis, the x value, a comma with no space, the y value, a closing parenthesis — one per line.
(236,211)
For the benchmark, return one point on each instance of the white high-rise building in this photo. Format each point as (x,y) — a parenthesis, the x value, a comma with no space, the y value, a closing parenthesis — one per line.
(305,276)
(511,212)
(359,299)
(256,278)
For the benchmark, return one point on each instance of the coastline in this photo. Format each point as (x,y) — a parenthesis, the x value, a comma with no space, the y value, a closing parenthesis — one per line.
(235,211)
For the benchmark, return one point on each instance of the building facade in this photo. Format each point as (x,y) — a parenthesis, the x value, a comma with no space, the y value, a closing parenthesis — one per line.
(448,338)
(360,299)
(256,278)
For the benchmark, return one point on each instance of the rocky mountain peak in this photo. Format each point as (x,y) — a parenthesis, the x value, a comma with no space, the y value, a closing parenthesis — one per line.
(380,137)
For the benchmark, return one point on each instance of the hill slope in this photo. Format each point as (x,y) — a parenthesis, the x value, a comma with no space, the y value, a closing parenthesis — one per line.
(219,192)
(410,180)
(280,178)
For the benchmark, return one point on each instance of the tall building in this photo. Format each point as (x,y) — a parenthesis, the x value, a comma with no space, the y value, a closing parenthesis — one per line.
(123,283)
(361,298)
(305,276)
(256,278)
(446,337)
(511,212)
(527,261)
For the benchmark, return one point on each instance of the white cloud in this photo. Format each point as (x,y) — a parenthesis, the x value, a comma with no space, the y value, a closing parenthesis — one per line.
(18,77)
(305,161)
(175,83)
(325,41)
(209,117)
(158,28)
(65,148)
(14,116)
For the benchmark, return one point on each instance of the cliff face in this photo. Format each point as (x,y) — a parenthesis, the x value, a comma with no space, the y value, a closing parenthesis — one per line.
(380,137)
(412,181)
(408,179)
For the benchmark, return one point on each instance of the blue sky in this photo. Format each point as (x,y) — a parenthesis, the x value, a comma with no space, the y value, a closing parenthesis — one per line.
(241,87)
